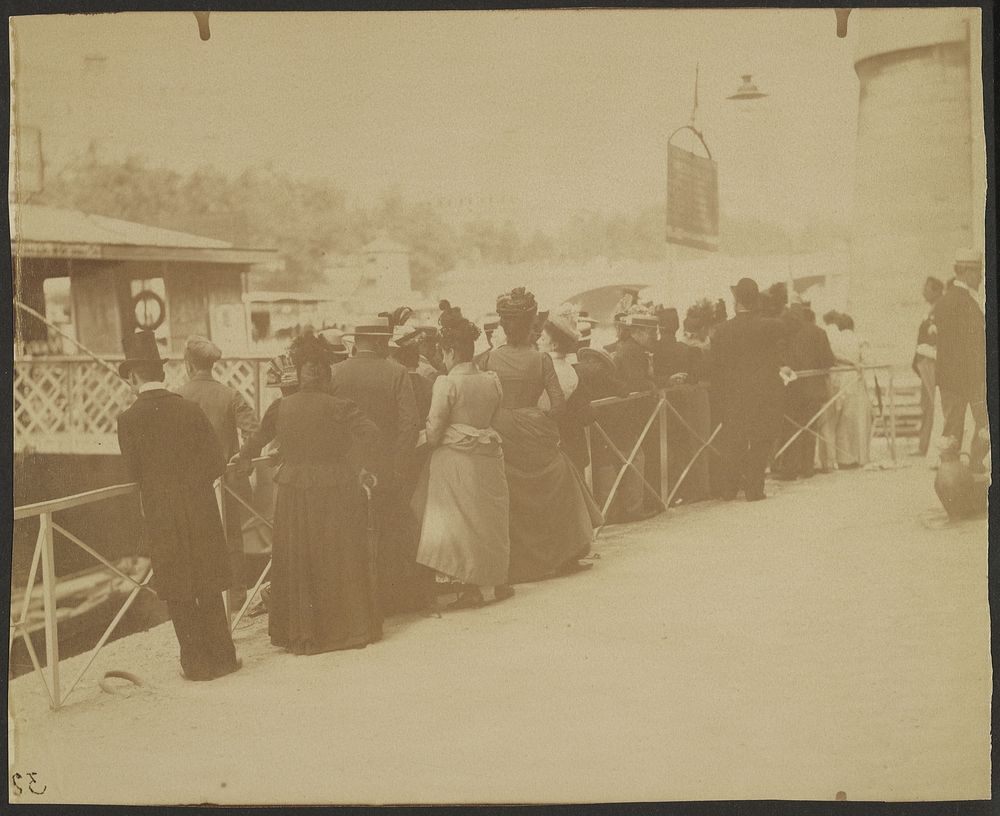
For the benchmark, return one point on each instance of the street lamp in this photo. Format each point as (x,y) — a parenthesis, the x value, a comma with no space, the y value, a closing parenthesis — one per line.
(747,90)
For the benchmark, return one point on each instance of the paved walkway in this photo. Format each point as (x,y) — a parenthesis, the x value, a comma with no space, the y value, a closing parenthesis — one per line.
(833,638)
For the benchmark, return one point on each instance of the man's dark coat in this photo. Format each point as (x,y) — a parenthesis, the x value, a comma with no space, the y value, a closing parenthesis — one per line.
(170,449)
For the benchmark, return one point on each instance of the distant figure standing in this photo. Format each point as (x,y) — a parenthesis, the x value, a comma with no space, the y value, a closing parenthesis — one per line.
(924,361)
(961,358)
(231,416)
(810,351)
(854,412)
(748,353)
(170,449)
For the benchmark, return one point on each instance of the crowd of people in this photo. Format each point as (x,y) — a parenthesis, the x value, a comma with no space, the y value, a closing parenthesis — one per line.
(416,461)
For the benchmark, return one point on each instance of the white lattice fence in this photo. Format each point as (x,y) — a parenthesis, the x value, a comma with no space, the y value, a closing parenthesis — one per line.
(71,405)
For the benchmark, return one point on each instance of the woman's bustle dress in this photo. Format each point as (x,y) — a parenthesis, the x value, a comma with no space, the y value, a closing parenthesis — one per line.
(461,499)
(552,514)
(321,578)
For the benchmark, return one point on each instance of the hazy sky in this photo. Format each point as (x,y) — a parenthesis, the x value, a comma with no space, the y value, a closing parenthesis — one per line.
(554,110)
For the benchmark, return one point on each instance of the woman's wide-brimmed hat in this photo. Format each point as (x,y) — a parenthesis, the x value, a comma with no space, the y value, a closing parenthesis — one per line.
(599,356)
(376,327)
(139,347)
(560,324)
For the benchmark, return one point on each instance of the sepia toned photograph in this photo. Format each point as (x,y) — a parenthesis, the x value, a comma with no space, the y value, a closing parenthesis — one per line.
(512,406)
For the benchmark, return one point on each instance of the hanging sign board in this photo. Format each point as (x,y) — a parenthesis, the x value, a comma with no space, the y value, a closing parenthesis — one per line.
(692,199)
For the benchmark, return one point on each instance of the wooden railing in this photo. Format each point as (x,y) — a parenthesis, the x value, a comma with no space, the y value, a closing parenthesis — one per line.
(663,413)
(71,404)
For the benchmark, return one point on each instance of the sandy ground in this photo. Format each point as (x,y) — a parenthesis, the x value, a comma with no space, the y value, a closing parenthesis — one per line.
(833,638)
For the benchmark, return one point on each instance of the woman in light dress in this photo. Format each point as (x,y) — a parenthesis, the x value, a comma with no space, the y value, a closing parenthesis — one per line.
(461,499)
(853,405)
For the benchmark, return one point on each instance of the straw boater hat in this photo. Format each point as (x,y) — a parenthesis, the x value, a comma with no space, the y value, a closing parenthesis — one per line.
(637,319)
(376,327)
(563,321)
(139,347)
(335,339)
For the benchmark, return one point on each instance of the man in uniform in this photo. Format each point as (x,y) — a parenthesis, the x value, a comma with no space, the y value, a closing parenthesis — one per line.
(381,388)
(961,358)
(748,355)
(230,416)
(170,449)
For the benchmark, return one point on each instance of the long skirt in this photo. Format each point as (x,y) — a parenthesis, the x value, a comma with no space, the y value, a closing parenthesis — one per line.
(552,514)
(462,503)
(853,423)
(322,582)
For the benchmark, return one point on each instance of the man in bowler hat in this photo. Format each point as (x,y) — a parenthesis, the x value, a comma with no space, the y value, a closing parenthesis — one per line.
(383,390)
(170,449)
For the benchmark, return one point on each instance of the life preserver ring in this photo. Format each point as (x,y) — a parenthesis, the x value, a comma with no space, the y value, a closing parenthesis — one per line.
(145,300)
(121,675)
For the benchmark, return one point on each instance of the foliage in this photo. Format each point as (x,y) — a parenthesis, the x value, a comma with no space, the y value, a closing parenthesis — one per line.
(308,221)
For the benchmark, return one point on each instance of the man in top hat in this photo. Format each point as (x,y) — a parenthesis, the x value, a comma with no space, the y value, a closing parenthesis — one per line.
(961,358)
(383,390)
(170,449)
(231,417)
(749,352)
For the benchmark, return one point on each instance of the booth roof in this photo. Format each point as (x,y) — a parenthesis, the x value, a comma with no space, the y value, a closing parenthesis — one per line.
(35,222)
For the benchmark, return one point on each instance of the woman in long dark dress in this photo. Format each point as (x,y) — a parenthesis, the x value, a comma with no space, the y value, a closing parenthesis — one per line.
(552,514)
(322,582)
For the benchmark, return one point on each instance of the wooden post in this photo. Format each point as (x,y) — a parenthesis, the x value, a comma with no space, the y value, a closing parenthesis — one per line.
(664,454)
(220,500)
(45,537)
(71,429)
(892,416)
(258,388)
(588,472)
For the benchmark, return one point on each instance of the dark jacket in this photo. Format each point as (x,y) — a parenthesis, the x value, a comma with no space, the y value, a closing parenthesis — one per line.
(225,408)
(169,448)
(381,388)
(322,439)
(670,357)
(747,352)
(423,389)
(634,365)
(810,350)
(961,343)
(926,336)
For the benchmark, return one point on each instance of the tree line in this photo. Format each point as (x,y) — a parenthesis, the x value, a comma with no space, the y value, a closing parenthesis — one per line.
(309,220)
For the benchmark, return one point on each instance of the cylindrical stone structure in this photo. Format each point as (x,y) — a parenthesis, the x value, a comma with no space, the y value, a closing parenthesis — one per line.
(919,166)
